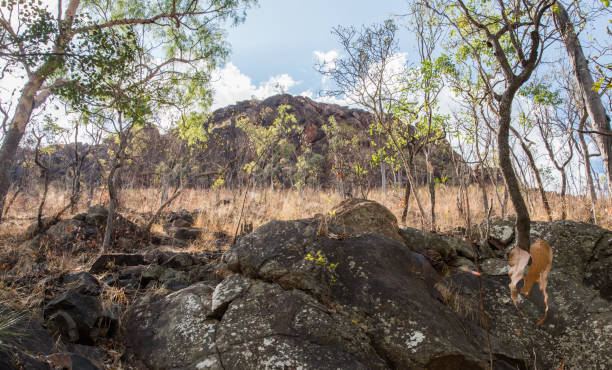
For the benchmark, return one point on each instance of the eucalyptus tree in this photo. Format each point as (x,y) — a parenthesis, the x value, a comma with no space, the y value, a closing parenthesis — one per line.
(511,37)
(589,90)
(70,48)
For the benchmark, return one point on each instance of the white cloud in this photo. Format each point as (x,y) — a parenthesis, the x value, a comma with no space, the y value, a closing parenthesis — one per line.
(326,60)
(230,85)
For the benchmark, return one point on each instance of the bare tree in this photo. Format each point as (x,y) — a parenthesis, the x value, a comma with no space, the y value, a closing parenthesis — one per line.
(364,76)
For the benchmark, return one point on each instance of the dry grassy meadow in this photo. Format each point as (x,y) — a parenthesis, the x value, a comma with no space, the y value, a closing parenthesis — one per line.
(220,208)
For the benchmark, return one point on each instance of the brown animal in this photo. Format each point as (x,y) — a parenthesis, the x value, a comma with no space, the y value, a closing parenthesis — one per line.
(541,256)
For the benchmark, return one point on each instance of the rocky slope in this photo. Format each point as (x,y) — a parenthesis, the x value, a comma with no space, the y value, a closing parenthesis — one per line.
(325,293)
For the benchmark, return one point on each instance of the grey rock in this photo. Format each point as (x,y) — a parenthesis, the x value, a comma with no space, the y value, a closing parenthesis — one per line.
(110,261)
(363,215)
(384,287)
(77,313)
(173,331)
(228,290)
(298,299)
(501,232)
(186,233)
(495,267)
(96,215)
(448,247)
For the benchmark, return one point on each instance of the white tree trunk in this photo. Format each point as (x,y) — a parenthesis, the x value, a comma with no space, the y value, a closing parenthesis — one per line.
(592,100)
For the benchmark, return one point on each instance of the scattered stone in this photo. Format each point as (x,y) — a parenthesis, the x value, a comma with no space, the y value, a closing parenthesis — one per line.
(501,232)
(96,215)
(77,313)
(114,260)
(186,233)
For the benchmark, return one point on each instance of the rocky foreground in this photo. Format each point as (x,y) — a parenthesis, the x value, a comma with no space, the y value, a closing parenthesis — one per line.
(348,290)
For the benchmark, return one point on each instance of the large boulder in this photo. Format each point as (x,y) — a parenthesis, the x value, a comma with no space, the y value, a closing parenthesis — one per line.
(364,215)
(582,251)
(297,297)
(302,300)
(452,251)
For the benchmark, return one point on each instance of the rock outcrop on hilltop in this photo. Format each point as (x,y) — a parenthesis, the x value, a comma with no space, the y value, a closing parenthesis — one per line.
(321,293)
(153,153)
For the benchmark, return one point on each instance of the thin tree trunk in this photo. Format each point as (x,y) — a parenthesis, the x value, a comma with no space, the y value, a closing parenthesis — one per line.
(161,208)
(592,100)
(505,204)
(536,173)
(563,197)
(112,204)
(10,202)
(406,202)
(45,171)
(523,222)
(431,184)
(587,167)
(17,128)
(383,178)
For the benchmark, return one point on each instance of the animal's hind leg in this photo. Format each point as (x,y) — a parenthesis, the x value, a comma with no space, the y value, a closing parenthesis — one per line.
(542,284)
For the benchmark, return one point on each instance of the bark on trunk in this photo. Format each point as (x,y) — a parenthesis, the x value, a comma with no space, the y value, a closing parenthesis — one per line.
(383,178)
(592,100)
(431,184)
(587,170)
(405,202)
(503,143)
(112,206)
(15,133)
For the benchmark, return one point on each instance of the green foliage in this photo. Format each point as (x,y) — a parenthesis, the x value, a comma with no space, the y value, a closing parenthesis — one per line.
(192,129)
(320,260)
(268,143)
(541,93)
(346,152)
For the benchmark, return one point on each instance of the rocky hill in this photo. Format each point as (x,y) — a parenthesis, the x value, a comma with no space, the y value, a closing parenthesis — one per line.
(311,138)
(305,157)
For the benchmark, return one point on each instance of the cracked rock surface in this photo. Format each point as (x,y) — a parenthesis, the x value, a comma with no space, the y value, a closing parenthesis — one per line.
(298,299)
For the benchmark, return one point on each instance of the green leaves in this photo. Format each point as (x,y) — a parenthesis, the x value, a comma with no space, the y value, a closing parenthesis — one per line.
(541,93)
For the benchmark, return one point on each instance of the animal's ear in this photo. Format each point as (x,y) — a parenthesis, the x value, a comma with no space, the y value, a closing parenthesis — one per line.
(517,259)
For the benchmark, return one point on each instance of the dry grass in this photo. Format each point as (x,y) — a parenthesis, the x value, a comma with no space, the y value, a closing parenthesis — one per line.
(220,209)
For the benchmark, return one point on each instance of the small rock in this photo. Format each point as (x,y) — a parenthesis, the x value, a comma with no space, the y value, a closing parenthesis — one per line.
(108,261)
(229,289)
(96,215)
(186,233)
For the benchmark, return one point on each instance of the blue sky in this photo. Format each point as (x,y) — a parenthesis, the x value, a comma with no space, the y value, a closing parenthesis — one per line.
(279,39)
